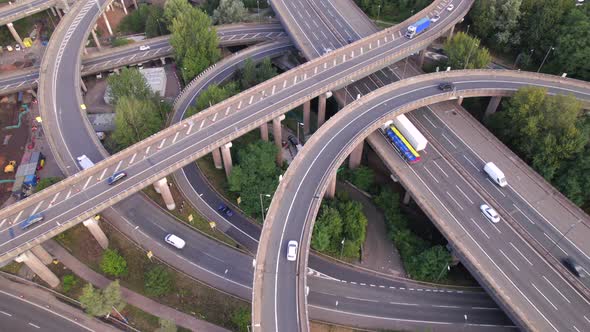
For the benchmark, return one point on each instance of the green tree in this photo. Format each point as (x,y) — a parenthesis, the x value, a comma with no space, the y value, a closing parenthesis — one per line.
(497,21)
(572,54)
(265,71)
(68,282)
(129,83)
(544,130)
(166,326)
(173,9)
(155,23)
(363,177)
(327,232)
(112,296)
(464,52)
(253,74)
(255,173)
(431,264)
(47,182)
(241,319)
(573,180)
(113,263)
(194,41)
(158,281)
(135,119)
(354,226)
(229,11)
(213,95)
(93,302)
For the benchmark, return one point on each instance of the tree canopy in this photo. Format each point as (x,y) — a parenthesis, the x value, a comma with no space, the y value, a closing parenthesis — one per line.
(99,303)
(113,263)
(229,11)
(147,18)
(158,281)
(130,83)
(135,120)
(213,95)
(253,74)
(465,52)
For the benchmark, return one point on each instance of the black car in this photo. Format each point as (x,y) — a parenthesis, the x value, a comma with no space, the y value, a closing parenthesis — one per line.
(350,40)
(293,140)
(574,268)
(225,209)
(446,86)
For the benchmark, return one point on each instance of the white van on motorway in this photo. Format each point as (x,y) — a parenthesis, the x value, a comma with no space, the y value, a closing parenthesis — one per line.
(85,162)
(495,174)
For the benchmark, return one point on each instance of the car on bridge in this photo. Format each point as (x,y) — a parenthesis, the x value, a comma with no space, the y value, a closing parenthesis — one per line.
(490,213)
(116,177)
(225,210)
(292,250)
(144,47)
(31,220)
(446,86)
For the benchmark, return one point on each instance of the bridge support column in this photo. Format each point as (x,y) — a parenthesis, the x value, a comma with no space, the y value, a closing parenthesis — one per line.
(58,12)
(42,254)
(106,21)
(124,7)
(451,31)
(66,6)
(459,100)
(135,4)
(278,137)
(161,187)
(83,85)
(264,132)
(321,109)
(217,158)
(306,117)
(95,38)
(227,162)
(354,160)
(493,105)
(53,11)
(15,34)
(421,56)
(32,92)
(331,190)
(407,198)
(35,264)
(163,60)
(96,231)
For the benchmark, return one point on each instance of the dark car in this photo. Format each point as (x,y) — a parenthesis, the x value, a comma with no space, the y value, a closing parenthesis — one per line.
(446,86)
(573,267)
(350,40)
(293,140)
(225,209)
(116,177)
(31,220)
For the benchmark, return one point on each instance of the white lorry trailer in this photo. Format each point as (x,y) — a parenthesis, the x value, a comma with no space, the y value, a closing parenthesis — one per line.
(410,132)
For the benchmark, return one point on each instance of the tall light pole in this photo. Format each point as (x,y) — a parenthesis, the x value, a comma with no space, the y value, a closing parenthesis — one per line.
(476,43)
(468,25)
(347,93)
(545,58)
(342,248)
(378,12)
(298,125)
(261,206)
(405,65)
(258,6)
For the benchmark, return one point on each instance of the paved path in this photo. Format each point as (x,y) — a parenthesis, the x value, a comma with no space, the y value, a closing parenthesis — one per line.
(130,297)
(28,308)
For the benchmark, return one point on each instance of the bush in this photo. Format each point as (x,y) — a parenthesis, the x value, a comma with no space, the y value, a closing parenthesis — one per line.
(158,281)
(113,263)
(68,282)
(241,319)
(47,182)
(121,42)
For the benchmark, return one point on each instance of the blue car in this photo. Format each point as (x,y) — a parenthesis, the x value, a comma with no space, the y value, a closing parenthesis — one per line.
(225,209)
(116,177)
(31,220)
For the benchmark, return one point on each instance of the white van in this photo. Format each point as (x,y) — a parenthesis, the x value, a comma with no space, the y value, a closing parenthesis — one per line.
(495,174)
(85,162)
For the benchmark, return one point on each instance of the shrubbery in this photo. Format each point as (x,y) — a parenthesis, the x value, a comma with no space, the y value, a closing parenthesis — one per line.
(158,281)
(113,263)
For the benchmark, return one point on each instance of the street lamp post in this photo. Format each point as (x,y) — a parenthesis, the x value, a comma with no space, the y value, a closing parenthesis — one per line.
(299,124)
(261,206)
(443,270)
(378,12)
(258,7)
(545,58)
(476,43)
(347,93)
(342,247)
(405,65)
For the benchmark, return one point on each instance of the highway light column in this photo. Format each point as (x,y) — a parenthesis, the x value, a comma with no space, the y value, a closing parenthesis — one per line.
(227,161)
(321,109)
(35,264)
(278,137)
(261,205)
(299,124)
(15,34)
(99,235)
(342,247)
(545,58)
(306,117)
(475,44)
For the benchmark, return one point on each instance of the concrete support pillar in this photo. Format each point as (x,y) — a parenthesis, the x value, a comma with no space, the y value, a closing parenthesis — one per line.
(331,190)
(32,92)
(421,56)
(42,254)
(106,21)
(354,160)
(407,198)
(85,51)
(321,109)
(163,60)
(227,162)
(117,71)
(15,34)
(53,11)
(493,105)
(264,132)
(38,268)
(278,137)
(306,117)
(451,31)
(217,158)
(164,190)
(96,231)
(66,6)
(459,100)
(83,85)
(135,4)
(58,12)
(124,7)
(95,37)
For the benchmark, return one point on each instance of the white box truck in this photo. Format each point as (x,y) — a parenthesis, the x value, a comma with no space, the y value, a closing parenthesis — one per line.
(495,174)
(85,162)
(410,132)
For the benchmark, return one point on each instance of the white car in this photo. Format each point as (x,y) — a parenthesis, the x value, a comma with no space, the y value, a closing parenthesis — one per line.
(451,7)
(435,18)
(175,241)
(327,50)
(9,48)
(17,47)
(490,213)
(144,47)
(292,250)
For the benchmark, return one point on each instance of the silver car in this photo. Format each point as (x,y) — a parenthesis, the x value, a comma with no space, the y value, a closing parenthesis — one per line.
(292,250)
(490,213)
